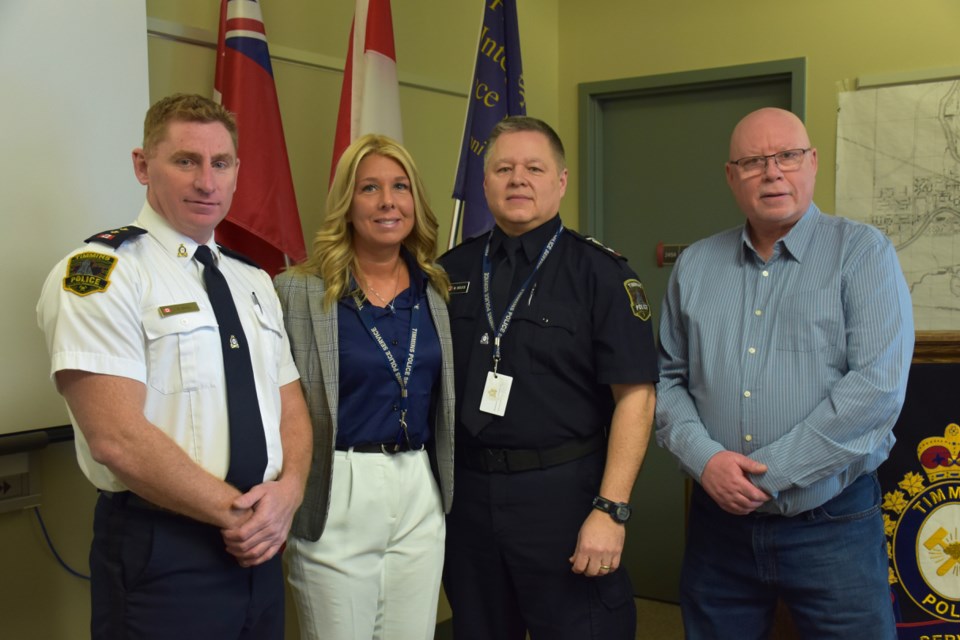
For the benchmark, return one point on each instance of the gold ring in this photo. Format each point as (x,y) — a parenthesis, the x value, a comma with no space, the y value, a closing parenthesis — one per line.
(605,567)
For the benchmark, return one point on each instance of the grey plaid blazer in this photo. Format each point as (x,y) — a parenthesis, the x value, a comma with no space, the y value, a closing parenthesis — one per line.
(313,340)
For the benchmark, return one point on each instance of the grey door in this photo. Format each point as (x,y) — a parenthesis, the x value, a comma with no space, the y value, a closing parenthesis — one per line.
(653,171)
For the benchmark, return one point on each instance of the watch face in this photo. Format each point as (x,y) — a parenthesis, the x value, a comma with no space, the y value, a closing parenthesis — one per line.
(622,513)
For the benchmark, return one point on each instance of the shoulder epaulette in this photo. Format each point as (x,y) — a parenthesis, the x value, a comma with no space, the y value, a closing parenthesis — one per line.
(236,255)
(593,242)
(116,237)
(468,241)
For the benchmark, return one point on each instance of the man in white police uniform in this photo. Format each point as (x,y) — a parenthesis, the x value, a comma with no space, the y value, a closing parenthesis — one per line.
(198,481)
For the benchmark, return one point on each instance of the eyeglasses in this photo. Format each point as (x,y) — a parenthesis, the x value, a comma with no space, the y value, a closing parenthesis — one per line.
(789,160)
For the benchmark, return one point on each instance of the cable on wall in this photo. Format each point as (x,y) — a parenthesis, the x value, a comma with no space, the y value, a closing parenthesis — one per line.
(43,528)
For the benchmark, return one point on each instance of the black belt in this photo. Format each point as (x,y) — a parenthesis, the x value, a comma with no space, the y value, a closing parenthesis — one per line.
(388,448)
(517,460)
(128,499)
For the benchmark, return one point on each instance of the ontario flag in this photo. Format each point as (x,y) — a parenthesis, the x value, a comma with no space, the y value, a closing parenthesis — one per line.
(263,223)
(496,92)
(370,96)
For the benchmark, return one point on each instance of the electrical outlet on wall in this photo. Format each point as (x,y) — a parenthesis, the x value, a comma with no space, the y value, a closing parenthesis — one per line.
(15,483)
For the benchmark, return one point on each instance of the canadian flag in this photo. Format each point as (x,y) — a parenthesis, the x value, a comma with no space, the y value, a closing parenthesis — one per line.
(370,96)
(263,222)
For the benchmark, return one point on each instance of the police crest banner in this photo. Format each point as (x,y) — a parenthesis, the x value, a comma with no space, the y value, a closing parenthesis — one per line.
(921,507)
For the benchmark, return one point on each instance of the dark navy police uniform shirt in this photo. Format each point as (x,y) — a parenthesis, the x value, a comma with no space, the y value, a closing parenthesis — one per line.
(369,410)
(581,325)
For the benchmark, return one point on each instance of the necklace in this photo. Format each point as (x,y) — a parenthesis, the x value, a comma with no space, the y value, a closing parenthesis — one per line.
(383,300)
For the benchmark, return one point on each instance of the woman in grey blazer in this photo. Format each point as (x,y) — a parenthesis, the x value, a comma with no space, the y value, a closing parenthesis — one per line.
(368,326)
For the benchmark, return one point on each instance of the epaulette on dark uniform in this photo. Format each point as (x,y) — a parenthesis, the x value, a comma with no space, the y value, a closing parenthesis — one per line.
(116,237)
(467,242)
(593,242)
(236,255)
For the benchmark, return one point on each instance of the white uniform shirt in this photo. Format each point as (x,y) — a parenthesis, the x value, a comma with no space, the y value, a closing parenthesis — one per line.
(131,326)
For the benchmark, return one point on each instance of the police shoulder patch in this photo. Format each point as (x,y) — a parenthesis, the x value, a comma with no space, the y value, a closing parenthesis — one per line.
(89,272)
(116,237)
(638,298)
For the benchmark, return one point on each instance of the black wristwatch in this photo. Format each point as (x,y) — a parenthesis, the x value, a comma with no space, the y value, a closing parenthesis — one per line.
(619,511)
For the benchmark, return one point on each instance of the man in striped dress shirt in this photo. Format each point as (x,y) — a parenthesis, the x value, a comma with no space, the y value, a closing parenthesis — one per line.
(785,349)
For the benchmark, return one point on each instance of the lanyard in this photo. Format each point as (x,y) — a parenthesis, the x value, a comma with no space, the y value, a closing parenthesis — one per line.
(366,316)
(508,313)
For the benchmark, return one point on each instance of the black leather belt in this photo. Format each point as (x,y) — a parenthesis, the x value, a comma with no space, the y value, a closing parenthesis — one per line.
(517,460)
(388,448)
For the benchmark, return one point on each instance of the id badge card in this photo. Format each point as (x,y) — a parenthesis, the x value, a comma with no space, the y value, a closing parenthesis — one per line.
(496,392)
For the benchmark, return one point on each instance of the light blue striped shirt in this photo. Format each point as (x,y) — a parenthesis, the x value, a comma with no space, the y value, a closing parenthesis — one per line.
(799,362)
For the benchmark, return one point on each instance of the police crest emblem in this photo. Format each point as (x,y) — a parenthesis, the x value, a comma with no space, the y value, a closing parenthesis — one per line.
(638,299)
(89,272)
(922,521)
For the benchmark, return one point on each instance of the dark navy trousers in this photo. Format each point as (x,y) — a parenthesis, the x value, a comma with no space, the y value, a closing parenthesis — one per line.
(155,574)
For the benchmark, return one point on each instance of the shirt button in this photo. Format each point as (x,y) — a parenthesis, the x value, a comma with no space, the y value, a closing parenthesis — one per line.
(395,407)
(758,312)
(752,350)
(746,394)
(748,437)
(394,342)
(765,273)
(545,320)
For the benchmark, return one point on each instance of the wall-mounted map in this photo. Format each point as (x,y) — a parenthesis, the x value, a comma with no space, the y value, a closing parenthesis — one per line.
(898,168)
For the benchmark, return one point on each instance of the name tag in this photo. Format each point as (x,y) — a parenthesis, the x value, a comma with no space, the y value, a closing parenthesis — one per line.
(459,287)
(174,309)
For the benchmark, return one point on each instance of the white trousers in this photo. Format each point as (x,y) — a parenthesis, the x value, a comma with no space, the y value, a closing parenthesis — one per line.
(375,572)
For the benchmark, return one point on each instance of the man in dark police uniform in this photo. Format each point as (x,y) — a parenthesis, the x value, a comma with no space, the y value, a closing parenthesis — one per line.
(556,367)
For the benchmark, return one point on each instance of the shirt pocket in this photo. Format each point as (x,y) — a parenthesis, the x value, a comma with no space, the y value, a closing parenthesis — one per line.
(553,328)
(463,324)
(183,350)
(810,321)
(270,341)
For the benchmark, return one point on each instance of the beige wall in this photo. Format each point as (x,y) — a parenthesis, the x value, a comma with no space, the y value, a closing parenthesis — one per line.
(435,41)
(38,599)
(841,40)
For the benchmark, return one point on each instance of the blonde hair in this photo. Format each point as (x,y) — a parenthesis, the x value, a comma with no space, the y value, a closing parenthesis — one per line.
(333,257)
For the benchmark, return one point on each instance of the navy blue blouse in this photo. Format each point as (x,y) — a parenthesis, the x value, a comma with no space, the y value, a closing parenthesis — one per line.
(369,410)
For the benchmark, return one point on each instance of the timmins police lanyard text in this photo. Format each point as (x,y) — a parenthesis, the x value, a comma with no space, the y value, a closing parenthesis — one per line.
(508,313)
(366,316)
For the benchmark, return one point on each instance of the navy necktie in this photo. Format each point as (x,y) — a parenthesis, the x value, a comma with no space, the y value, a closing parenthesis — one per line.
(501,288)
(501,283)
(248,448)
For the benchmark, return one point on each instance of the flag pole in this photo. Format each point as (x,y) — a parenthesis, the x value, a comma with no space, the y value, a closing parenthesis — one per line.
(455,222)
(496,92)
(457,217)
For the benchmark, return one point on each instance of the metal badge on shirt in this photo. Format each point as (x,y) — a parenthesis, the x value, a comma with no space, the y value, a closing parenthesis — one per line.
(638,299)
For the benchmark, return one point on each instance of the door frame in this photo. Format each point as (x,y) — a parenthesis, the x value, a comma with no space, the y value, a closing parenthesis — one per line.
(594,95)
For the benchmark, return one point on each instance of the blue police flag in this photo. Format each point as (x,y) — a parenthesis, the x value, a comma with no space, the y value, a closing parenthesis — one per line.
(497,91)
